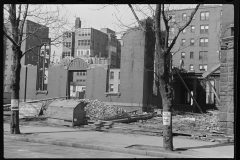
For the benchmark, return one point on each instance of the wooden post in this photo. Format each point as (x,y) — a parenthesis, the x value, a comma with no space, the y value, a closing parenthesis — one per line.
(194,94)
(211,86)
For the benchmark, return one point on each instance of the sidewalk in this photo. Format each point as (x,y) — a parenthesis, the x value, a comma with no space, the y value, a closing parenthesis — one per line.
(115,142)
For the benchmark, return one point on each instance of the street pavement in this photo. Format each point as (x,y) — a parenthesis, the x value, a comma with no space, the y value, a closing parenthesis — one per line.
(19,149)
(115,142)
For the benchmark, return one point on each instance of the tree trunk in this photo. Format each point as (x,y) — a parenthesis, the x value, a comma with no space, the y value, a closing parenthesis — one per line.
(166,93)
(15,86)
(163,71)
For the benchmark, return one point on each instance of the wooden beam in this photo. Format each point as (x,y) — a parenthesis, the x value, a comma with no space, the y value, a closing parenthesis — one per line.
(188,90)
(214,92)
(210,71)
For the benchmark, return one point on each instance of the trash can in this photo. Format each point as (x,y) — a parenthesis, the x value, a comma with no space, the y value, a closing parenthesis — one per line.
(66,112)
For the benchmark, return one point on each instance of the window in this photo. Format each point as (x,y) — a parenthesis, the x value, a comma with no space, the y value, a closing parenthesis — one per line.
(80,73)
(221,14)
(67,44)
(203,29)
(219,52)
(171,30)
(6,67)
(203,42)
(201,67)
(183,41)
(205,67)
(77,73)
(203,55)
(83,73)
(183,55)
(184,31)
(66,54)
(191,67)
(232,31)
(194,16)
(192,28)
(83,80)
(119,76)
(191,55)
(184,16)
(5,77)
(192,42)
(67,35)
(119,88)
(204,16)
(111,87)
(111,75)
(6,57)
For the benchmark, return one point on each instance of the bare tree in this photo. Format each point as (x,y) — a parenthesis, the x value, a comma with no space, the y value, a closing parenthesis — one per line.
(15,18)
(163,64)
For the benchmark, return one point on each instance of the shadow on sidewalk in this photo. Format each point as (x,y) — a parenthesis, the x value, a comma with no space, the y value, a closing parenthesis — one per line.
(205,146)
(27,133)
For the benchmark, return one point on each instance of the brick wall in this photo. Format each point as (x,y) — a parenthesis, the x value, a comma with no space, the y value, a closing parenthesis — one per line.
(57,82)
(226,115)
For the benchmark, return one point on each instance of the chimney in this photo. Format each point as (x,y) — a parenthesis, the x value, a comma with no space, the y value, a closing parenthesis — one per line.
(77,23)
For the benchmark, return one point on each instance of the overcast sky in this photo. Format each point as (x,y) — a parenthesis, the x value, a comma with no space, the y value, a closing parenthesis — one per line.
(99,16)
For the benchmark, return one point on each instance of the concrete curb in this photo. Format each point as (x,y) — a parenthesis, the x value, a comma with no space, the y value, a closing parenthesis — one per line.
(103,148)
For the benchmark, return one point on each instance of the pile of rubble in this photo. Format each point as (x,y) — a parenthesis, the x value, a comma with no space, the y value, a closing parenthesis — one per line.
(97,110)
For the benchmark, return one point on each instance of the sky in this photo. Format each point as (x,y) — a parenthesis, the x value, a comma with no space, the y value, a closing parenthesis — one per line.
(101,16)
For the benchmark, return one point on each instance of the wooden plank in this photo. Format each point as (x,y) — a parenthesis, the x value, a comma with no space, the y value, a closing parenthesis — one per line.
(214,92)
(211,70)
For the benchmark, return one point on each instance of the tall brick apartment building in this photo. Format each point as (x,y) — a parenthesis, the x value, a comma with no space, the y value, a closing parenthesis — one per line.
(30,58)
(199,44)
(198,50)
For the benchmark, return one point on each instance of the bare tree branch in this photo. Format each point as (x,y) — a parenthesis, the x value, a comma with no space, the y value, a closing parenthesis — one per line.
(10,38)
(135,15)
(22,24)
(182,28)
(30,49)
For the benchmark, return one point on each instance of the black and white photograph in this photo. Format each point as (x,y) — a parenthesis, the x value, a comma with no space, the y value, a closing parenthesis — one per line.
(119,80)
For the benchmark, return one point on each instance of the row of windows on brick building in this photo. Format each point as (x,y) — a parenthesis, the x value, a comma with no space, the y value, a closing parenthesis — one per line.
(203,42)
(202,55)
(81,73)
(203,29)
(202,67)
(203,16)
